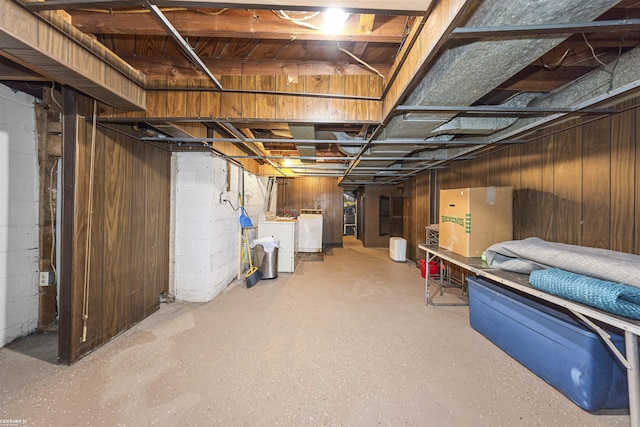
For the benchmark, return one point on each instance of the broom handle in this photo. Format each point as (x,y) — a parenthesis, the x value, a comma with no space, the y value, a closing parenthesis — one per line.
(246,241)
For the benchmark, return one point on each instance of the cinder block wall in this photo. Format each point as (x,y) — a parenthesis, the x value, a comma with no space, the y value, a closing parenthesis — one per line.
(18,216)
(207,231)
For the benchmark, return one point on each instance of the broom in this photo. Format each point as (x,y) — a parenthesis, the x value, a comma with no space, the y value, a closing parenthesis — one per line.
(253,274)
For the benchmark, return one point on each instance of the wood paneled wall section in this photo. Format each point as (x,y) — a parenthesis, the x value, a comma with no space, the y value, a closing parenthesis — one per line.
(575,183)
(202,103)
(129,251)
(417,208)
(315,193)
(371,228)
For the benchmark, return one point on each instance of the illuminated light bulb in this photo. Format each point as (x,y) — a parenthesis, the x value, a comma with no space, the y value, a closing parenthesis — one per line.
(334,20)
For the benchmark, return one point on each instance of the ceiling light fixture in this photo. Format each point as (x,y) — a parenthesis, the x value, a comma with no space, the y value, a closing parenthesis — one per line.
(334,20)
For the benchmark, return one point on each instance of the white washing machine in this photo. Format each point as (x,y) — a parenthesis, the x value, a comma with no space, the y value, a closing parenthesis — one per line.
(310,231)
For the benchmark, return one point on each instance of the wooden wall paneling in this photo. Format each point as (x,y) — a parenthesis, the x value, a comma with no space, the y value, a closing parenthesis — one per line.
(152,226)
(210,103)
(527,208)
(596,183)
(249,107)
(636,240)
(454,177)
(623,147)
(331,203)
(497,168)
(409,221)
(66,345)
(176,99)
(94,326)
(162,187)
(547,187)
(122,245)
(231,106)
(193,99)
(117,217)
(266,103)
(336,105)
(314,193)
(315,107)
(568,185)
(157,103)
(375,107)
(480,171)
(289,107)
(514,179)
(371,236)
(350,105)
(138,282)
(97,266)
(421,211)
(357,86)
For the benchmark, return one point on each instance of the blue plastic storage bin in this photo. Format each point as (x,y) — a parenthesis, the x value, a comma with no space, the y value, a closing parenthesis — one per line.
(552,344)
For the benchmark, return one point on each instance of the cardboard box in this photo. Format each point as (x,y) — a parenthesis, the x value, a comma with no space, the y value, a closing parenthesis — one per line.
(472,219)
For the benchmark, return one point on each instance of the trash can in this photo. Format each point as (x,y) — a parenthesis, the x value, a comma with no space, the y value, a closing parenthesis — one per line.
(266,250)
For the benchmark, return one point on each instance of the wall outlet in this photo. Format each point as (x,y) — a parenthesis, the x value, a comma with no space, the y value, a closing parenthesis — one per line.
(44,278)
(224,197)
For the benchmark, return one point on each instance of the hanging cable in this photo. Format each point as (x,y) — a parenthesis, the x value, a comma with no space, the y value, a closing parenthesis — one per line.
(593,53)
(87,260)
(298,21)
(52,190)
(359,60)
(557,64)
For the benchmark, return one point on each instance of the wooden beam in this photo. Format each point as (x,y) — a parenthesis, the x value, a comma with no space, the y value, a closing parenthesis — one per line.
(366,23)
(537,79)
(178,68)
(251,24)
(9,70)
(406,7)
(51,51)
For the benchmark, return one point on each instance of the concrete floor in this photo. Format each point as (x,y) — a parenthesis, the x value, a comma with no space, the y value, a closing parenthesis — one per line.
(345,341)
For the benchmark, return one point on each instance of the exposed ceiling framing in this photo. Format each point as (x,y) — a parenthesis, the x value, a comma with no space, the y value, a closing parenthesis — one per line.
(488,74)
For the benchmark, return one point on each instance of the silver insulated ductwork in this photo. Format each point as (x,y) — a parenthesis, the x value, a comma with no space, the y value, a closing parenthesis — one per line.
(467,70)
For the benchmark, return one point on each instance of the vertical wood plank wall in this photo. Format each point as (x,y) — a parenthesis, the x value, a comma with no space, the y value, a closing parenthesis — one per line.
(314,193)
(575,183)
(371,236)
(129,258)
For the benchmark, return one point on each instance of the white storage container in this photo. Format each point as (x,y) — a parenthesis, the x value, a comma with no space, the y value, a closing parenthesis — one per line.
(398,249)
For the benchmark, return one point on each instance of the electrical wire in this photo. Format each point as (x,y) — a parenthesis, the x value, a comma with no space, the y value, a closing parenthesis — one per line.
(593,53)
(557,64)
(87,261)
(53,220)
(53,86)
(360,61)
(298,21)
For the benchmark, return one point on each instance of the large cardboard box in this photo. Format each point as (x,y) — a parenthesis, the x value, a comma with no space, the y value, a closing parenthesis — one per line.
(472,219)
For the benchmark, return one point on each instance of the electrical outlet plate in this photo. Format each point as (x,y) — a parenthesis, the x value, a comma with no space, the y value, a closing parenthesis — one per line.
(224,198)
(44,278)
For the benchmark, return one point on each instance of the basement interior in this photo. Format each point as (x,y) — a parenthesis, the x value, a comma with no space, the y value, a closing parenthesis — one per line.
(320,213)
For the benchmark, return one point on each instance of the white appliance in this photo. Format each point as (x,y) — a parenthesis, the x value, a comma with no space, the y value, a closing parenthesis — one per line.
(286,231)
(398,249)
(310,232)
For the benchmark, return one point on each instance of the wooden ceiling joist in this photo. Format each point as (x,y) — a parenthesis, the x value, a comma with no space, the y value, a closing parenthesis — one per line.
(406,7)
(237,24)
(31,39)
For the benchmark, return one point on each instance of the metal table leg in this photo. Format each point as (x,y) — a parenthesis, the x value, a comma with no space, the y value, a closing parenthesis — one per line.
(633,377)
(427,297)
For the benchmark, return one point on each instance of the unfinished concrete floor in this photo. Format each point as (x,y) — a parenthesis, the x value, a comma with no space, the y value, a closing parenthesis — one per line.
(346,341)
